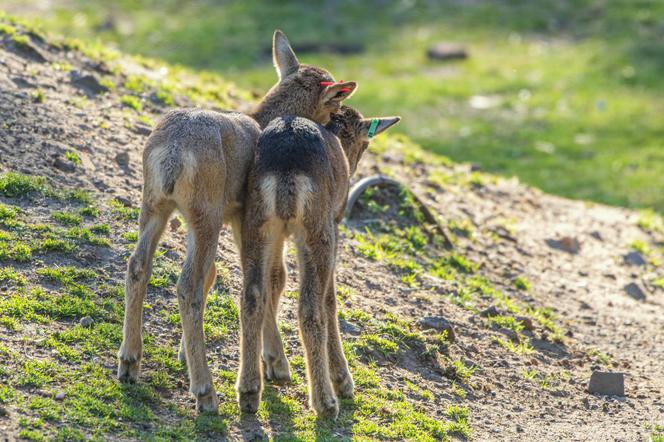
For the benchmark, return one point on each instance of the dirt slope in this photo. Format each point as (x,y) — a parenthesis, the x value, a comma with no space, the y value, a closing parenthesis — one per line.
(535,290)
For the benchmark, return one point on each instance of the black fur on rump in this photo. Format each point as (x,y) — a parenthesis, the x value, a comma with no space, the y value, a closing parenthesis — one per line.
(291,145)
(288,147)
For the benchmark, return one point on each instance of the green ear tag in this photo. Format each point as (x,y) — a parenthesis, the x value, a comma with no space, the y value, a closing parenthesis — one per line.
(373,127)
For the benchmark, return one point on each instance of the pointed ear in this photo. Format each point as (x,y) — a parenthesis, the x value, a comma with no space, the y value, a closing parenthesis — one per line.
(339,91)
(374,126)
(283,57)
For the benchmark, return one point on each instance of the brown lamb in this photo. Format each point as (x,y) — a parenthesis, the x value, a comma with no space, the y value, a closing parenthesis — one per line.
(298,187)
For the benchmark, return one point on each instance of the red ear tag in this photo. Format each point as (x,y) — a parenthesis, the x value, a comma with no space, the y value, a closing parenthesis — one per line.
(326,83)
(346,89)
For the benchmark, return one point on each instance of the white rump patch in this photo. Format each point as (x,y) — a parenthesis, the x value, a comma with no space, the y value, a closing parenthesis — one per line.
(268,190)
(303,193)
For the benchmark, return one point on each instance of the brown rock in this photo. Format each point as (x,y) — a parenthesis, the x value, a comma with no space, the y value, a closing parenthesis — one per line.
(122,159)
(635,291)
(438,323)
(87,82)
(447,51)
(566,243)
(64,165)
(124,201)
(634,258)
(175,224)
(527,322)
(490,312)
(31,50)
(609,383)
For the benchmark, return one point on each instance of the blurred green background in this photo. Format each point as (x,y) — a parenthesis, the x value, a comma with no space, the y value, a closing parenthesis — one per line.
(568,95)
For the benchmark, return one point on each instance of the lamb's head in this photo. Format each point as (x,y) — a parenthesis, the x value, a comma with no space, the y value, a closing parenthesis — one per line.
(354,131)
(302,90)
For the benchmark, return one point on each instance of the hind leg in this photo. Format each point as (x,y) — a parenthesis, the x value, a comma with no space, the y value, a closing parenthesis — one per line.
(339,372)
(316,257)
(203,236)
(258,239)
(151,225)
(274,357)
(209,282)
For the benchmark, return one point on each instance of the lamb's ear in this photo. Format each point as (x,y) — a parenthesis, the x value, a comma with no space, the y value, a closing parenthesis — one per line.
(283,57)
(374,126)
(339,91)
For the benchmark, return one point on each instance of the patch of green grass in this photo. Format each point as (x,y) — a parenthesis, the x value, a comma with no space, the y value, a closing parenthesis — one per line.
(90,212)
(523,347)
(67,275)
(462,263)
(101,229)
(9,323)
(164,273)
(656,432)
(38,95)
(10,274)
(73,157)
(7,213)
(7,29)
(458,391)
(56,245)
(522,283)
(80,195)
(86,236)
(372,341)
(36,373)
(75,343)
(46,408)
(356,315)
(39,305)
(14,185)
(462,228)
(132,102)
(529,374)
(66,218)
(221,316)
(18,252)
(508,322)
(131,236)
(650,222)
(127,213)
(21,41)
(641,247)
(7,394)
(599,356)
(459,371)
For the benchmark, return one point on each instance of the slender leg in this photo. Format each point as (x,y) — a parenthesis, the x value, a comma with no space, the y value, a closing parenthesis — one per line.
(316,261)
(201,250)
(339,372)
(274,357)
(209,282)
(252,310)
(151,225)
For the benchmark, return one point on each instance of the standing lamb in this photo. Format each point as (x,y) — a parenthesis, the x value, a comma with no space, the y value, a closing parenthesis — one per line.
(299,186)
